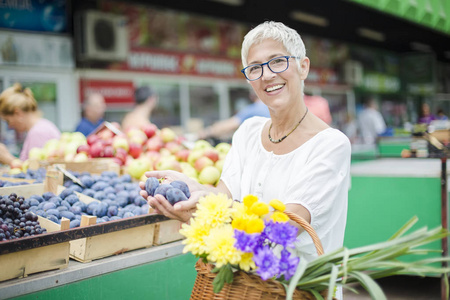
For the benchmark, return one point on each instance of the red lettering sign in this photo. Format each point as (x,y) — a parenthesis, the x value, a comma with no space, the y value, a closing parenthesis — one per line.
(114,92)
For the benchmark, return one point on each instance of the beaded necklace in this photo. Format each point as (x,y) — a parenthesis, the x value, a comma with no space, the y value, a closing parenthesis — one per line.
(281,139)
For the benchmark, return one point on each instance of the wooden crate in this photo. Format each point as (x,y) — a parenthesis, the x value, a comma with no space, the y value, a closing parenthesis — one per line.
(93,165)
(23,263)
(167,231)
(113,243)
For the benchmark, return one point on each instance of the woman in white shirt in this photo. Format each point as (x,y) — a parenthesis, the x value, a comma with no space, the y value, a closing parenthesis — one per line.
(292,156)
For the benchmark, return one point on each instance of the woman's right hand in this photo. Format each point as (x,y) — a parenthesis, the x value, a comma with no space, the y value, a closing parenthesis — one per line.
(181,210)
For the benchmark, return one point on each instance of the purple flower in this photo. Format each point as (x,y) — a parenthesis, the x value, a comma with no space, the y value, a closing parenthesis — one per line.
(281,233)
(246,242)
(288,264)
(266,262)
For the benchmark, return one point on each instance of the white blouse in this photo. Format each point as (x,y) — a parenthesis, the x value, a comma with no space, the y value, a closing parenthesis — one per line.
(315,175)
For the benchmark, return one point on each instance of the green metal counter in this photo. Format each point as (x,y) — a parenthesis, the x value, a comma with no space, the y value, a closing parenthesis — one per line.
(161,272)
(387,192)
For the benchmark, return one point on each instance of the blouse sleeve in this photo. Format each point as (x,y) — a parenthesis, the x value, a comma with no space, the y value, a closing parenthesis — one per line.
(322,186)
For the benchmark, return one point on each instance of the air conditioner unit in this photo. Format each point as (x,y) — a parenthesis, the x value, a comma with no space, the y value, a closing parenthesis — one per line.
(353,72)
(100,36)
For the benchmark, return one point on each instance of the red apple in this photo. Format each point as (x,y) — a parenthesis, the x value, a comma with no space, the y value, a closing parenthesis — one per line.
(154,143)
(203,162)
(121,154)
(173,147)
(212,154)
(96,150)
(92,138)
(183,154)
(105,134)
(83,149)
(149,130)
(135,149)
(108,151)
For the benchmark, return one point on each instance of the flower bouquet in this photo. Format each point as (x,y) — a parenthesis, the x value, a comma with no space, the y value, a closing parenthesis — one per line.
(248,252)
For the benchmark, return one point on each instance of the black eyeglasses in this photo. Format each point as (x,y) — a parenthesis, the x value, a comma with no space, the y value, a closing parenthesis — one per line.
(277,65)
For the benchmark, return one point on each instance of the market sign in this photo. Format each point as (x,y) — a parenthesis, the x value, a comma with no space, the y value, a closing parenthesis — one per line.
(165,62)
(321,76)
(114,92)
(34,15)
(381,83)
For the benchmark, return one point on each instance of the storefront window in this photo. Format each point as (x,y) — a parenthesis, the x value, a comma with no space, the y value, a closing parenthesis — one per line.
(239,98)
(167,111)
(204,104)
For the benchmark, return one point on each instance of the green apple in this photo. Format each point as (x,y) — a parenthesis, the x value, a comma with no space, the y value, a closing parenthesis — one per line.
(209,175)
(223,147)
(137,167)
(219,164)
(167,134)
(201,145)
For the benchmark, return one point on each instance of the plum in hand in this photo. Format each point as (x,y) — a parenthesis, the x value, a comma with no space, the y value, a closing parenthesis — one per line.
(150,185)
(174,195)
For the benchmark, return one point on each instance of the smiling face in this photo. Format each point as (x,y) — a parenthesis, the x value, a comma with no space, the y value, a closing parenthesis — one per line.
(277,90)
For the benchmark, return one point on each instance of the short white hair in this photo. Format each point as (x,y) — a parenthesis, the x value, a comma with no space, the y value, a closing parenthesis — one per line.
(277,31)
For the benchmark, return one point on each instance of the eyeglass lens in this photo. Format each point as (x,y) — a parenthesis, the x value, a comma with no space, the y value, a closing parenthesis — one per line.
(276,65)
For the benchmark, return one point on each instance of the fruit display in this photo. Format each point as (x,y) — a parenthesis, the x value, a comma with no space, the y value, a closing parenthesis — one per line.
(138,150)
(118,197)
(174,192)
(15,219)
(37,175)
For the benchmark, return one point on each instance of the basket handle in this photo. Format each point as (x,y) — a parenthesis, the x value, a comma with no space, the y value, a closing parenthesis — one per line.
(308,228)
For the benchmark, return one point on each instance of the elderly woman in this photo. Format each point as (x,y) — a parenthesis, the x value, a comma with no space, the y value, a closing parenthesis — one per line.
(292,156)
(20,110)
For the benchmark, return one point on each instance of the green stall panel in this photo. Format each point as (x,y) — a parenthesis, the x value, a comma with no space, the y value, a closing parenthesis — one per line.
(379,206)
(171,278)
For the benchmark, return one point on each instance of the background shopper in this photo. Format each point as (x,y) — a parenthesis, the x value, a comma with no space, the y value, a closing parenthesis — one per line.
(370,122)
(19,109)
(145,101)
(224,129)
(93,113)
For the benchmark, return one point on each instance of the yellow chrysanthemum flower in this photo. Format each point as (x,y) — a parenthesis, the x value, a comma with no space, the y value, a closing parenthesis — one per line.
(239,223)
(259,209)
(249,200)
(220,246)
(277,205)
(214,209)
(247,262)
(279,216)
(195,234)
(239,210)
(254,225)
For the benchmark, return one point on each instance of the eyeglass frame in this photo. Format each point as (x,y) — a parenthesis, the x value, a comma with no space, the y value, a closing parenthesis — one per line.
(267,63)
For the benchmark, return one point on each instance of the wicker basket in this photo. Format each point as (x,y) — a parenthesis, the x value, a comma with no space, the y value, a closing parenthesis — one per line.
(248,286)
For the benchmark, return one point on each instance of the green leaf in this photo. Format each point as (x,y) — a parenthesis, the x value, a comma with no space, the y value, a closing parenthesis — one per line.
(331,285)
(370,285)
(316,294)
(297,275)
(225,274)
